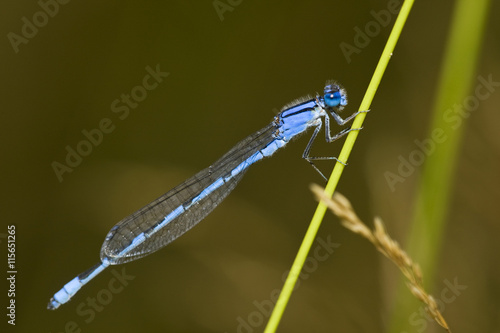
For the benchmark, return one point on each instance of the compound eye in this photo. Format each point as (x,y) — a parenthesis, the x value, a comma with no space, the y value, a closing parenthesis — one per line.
(333,98)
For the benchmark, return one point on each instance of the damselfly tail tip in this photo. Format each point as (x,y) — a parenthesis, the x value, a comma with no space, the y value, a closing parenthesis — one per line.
(53,304)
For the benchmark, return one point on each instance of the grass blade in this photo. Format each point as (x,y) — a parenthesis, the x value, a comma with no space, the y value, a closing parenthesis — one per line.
(337,171)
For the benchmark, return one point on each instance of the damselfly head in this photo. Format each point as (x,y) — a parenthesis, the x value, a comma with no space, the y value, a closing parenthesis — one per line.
(335,96)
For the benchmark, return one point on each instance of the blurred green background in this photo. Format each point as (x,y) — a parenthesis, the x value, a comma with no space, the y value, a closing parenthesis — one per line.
(230,73)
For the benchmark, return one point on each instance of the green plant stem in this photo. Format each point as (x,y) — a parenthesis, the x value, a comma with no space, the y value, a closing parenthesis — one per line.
(337,171)
(433,196)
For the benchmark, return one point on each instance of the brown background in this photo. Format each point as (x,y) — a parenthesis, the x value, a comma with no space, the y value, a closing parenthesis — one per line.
(228,79)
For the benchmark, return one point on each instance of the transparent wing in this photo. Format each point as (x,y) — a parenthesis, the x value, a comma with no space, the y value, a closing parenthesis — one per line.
(145,219)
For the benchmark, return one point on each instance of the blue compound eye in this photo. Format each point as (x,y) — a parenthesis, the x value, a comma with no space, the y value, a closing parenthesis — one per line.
(335,96)
(332,99)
